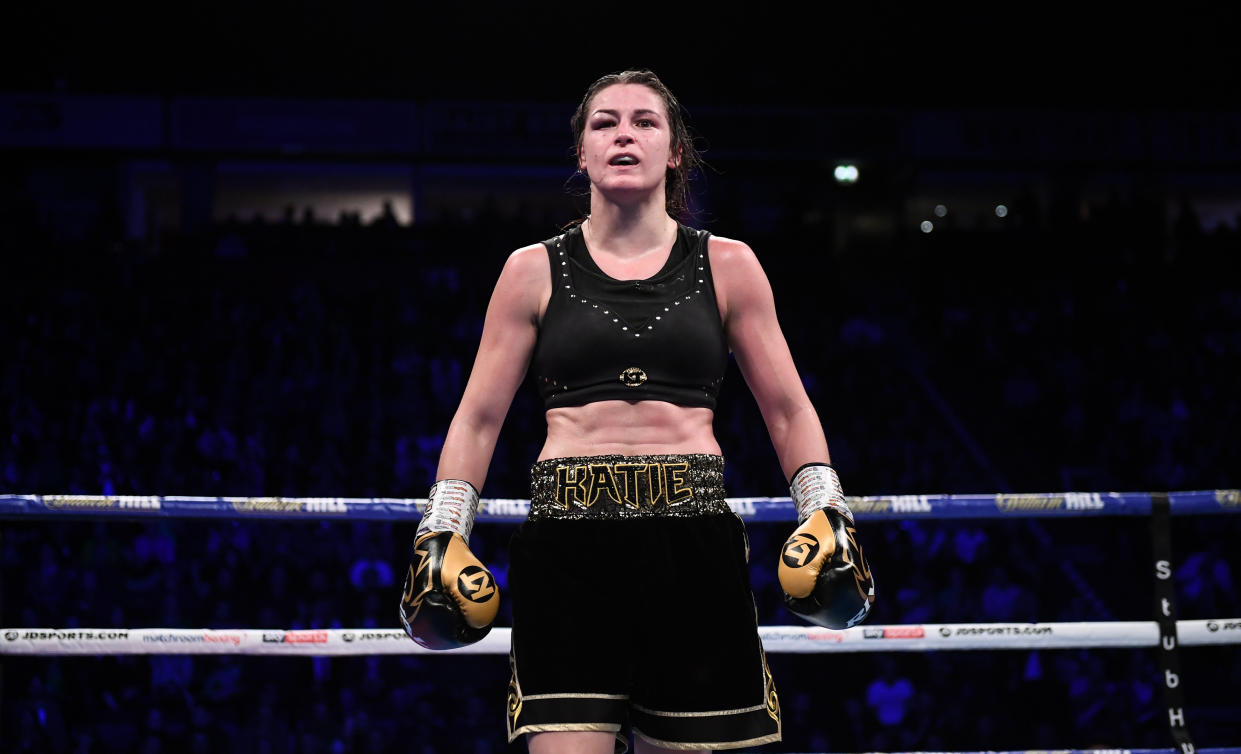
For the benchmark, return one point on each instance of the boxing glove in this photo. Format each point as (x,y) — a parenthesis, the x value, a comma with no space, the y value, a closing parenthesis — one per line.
(450,598)
(824,575)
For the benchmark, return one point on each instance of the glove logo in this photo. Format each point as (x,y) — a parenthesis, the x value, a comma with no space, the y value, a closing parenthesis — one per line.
(1212,626)
(11,635)
(800,549)
(347,636)
(475,584)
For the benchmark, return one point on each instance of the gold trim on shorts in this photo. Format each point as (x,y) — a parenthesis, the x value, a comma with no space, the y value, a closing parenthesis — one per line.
(565,728)
(576,696)
(712,746)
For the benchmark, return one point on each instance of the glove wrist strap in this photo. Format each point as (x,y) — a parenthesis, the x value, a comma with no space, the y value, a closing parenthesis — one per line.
(451,506)
(815,486)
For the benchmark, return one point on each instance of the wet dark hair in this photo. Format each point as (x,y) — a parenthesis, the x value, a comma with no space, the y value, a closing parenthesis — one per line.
(676,182)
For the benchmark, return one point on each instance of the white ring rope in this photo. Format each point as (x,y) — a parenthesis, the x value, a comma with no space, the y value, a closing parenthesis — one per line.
(776,639)
(1221,750)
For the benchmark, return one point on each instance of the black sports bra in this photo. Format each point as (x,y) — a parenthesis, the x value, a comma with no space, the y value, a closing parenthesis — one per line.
(658,339)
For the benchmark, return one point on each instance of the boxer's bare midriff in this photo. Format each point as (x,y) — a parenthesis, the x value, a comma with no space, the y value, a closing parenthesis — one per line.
(628,428)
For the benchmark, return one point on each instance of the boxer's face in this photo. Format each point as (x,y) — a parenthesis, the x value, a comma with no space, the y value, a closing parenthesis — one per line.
(627,143)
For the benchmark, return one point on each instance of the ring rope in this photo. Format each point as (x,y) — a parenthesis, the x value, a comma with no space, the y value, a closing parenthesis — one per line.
(881,507)
(1223,750)
(1165,632)
(776,639)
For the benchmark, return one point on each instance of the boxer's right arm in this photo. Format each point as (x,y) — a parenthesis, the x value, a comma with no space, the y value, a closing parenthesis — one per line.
(510,330)
(450,598)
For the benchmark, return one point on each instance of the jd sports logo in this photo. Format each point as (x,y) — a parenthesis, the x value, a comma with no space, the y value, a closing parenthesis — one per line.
(799,550)
(475,584)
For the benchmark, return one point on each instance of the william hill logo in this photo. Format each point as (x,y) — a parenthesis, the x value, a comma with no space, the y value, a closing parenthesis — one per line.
(1228,498)
(1083,501)
(287,506)
(105,502)
(1073,501)
(892,504)
(911,504)
(507,507)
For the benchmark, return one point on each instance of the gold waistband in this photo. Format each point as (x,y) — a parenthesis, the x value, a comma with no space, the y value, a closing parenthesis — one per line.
(616,486)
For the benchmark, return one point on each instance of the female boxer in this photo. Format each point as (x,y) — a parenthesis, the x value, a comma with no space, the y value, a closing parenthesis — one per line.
(631,597)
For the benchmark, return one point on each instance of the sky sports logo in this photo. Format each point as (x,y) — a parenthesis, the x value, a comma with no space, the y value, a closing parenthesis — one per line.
(295,637)
(894,632)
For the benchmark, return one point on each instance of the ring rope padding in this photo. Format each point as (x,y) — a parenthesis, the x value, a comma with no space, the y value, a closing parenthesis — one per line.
(776,639)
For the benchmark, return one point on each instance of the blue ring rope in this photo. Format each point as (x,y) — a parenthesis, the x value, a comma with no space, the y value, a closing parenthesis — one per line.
(761,509)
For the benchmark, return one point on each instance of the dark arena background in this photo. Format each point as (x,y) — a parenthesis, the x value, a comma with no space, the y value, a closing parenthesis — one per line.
(247,251)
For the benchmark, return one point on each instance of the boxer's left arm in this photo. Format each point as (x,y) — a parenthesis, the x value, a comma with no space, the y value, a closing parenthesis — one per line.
(748,310)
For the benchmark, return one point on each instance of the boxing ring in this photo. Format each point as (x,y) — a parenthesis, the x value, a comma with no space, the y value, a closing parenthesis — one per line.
(1163,632)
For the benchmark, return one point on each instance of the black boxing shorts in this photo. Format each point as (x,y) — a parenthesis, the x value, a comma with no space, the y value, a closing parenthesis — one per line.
(632,607)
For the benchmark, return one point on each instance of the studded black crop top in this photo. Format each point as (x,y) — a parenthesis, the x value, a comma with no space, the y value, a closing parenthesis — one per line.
(658,339)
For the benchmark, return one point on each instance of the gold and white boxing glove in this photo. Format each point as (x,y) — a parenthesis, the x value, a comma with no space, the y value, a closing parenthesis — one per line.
(824,575)
(450,598)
